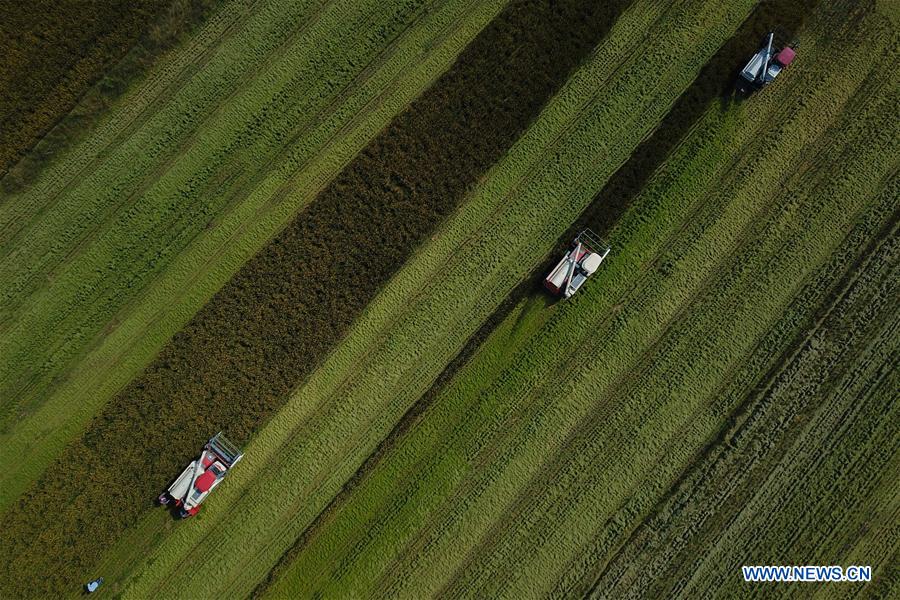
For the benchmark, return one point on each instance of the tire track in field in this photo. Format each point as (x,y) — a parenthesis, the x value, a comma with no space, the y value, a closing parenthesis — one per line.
(844,385)
(732,428)
(236,361)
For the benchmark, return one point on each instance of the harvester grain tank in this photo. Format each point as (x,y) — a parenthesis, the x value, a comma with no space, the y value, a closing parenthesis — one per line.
(580,262)
(202,475)
(762,69)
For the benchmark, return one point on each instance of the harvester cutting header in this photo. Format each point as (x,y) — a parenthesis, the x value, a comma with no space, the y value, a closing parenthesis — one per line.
(768,62)
(199,478)
(579,263)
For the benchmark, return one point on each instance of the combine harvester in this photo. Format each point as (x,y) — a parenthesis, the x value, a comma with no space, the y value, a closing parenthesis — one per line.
(765,66)
(579,263)
(199,478)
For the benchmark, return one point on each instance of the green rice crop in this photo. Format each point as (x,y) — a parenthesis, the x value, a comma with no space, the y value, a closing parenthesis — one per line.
(722,392)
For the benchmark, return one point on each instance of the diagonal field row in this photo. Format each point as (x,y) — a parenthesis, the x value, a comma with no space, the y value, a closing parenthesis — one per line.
(237,360)
(542,455)
(422,318)
(111,302)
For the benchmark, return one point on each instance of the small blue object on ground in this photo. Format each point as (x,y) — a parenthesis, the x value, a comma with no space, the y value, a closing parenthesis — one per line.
(93,585)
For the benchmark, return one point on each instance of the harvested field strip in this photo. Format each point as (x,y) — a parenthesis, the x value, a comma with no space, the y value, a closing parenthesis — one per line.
(825,367)
(405,337)
(555,488)
(133,233)
(54,51)
(846,453)
(265,331)
(136,333)
(668,558)
(424,482)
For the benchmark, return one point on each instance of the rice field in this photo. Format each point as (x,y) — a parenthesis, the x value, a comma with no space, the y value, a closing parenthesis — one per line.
(321,227)
(100,323)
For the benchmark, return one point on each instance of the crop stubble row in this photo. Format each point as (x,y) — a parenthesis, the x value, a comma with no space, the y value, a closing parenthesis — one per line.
(663,542)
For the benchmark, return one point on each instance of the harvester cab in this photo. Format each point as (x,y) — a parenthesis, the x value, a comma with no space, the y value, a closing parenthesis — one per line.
(579,263)
(198,479)
(762,69)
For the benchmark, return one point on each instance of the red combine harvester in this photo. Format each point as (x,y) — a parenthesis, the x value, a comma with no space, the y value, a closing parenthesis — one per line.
(764,66)
(199,478)
(579,263)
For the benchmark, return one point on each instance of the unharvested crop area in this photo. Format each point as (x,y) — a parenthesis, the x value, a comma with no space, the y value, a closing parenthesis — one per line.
(55,51)
(332,252)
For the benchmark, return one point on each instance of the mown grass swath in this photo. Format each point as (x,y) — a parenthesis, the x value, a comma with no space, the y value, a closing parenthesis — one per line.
(53,52)
(238,358)
(612,397)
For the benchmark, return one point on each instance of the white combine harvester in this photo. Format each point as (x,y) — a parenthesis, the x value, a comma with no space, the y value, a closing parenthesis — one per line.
(199,478)
(579,263)
(765,66)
